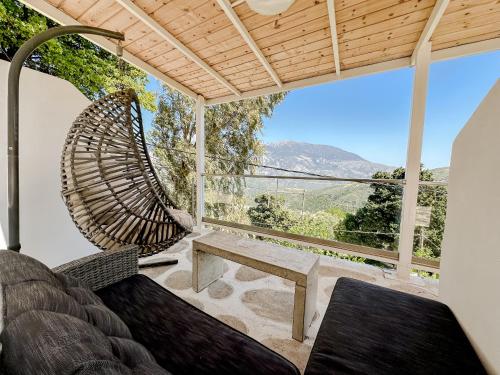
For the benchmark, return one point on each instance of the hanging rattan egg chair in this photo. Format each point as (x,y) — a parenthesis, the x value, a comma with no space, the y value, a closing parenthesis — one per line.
(108,182)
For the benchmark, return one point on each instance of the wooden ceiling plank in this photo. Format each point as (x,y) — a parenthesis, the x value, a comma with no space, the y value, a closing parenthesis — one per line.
(390,24)
(234,41)
(309,73)
(383,45)
(248,64)
(107,16)
(383,36)
(228,10)
(333,31)
(64,19)
(76,8)
(228,37)
(287,69)
(150,22)
(213,54)
(123,21)
(465,5)
(468,40)
(344,4)
(375,55)
(216,56)
(430,26)
(489,6)
(387,58)
(102,10)
(285,66)
(149,6)
(86,11)
(314,50)
(467,33)
(488,43)
(365,8)
(401,10)
(468,22)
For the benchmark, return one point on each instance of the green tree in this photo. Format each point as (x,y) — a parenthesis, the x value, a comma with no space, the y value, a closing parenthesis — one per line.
(270,212)
(376,224)
(91,69)
(231,143)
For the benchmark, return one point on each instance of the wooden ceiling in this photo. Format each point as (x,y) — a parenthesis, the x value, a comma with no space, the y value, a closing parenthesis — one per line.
(297,44)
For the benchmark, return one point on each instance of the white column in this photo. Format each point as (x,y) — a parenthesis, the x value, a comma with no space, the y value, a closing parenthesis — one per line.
(200,160)
(413,158)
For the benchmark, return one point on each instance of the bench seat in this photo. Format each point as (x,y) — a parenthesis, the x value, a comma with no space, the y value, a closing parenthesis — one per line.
(368,329)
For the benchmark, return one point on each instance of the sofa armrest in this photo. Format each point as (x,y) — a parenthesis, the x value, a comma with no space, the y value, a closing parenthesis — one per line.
(102,269)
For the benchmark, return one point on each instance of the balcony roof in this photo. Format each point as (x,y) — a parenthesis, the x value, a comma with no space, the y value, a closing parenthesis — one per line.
(226,51)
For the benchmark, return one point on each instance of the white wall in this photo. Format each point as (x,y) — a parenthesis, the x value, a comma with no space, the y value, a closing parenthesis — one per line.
(48,106)
(470,264)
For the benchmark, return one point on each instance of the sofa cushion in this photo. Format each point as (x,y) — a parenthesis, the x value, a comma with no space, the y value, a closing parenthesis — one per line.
(368,329)
(185,340)
(52,324)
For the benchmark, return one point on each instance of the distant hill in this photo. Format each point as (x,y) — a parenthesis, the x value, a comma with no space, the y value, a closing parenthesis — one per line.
(318,159)
(441,174)
(324,160)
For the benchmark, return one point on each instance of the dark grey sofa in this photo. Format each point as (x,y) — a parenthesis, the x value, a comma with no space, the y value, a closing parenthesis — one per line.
(53,323)
(368,329)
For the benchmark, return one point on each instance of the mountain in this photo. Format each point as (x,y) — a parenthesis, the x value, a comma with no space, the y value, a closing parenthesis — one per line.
(313,196)
(441,174)
(318,159)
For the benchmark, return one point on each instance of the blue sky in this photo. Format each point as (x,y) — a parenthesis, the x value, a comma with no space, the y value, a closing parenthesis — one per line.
(370,115)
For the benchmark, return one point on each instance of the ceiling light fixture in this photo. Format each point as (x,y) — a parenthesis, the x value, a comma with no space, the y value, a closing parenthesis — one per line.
(269,7)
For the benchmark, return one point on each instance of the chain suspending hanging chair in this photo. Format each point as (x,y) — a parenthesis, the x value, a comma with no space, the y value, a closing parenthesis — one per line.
(108,182)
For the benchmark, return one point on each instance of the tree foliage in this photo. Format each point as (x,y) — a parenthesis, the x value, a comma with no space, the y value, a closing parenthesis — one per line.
(376,224)
(91,69)
(270,212)
(231,141)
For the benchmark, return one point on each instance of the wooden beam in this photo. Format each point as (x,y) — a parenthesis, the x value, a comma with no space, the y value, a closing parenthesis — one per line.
(235,20)
(430,26)
(333,32)
(167,36)
(62,18)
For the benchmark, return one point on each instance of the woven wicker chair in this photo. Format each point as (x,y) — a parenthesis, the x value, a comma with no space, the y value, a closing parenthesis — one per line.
(109,185)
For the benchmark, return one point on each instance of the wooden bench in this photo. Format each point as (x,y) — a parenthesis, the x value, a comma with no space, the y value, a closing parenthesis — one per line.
(297,266)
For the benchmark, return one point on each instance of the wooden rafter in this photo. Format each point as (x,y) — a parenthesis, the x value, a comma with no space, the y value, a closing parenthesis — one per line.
(167,36)
(235,20)
(430,26)
(237,2)
(333,32)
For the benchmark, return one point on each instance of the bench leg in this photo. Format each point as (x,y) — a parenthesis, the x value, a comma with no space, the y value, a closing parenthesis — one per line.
(207,268)
(304,306)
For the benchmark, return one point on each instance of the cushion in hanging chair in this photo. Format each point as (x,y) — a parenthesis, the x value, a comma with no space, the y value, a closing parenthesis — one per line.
(108,182)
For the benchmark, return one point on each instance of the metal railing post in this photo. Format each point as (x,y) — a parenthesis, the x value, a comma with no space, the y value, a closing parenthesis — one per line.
(413,159)
(200,161)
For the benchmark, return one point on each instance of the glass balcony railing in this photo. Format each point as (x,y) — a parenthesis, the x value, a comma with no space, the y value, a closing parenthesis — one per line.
(334,216)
